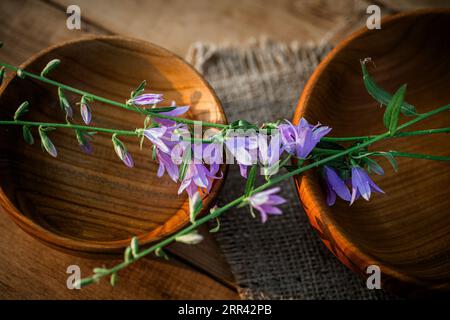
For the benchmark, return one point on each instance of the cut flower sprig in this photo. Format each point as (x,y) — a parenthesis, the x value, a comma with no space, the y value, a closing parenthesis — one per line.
(345,170)
(87,96)
(216,212)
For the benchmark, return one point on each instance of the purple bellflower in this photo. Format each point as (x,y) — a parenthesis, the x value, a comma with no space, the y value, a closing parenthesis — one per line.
(172,113)
(166,164)
(266,202)
(362,185)
(301,139)
(197,176)
(155,136)
(213,156)
(335,186)
(146,99)
(244,150)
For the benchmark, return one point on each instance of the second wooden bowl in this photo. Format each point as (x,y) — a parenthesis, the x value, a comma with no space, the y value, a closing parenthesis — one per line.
(93,203)
(406,232)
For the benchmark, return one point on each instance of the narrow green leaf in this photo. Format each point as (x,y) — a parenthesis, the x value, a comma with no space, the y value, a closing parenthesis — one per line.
(127,255)
(49,67)
(46,143)
(250,181)
(22,109)
(389,157)
(185,163)
(2,75)
(373,166)
(217,227)
(195,205)
(139,89)
(134,246)
(114,279)
(162,109)
(161,254)
(27,135)
(392,112)
(382,96)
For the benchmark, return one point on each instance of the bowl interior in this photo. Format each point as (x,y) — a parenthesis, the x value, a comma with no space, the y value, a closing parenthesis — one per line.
(95,199)
(408,229)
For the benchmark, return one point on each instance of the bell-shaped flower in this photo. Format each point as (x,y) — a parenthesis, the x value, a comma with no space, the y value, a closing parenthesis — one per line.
(146,99)
(266,202)
(335,186)
(362,184)
(301,139)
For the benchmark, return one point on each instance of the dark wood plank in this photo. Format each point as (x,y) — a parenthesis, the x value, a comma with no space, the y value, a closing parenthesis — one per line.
(30,270)
(177,24)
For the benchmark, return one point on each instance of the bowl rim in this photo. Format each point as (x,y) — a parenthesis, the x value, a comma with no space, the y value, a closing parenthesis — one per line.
(356,260)
(79,246)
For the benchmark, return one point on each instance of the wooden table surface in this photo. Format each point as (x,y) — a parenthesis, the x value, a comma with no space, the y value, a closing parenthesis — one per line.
(30,270)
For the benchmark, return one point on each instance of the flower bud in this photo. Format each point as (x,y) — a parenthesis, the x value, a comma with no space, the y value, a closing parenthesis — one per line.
(84,140)
(46,143)
(122,152)
(85,110)
(191,238)
(64,103)
(50,66)
(23,108)
(27,135)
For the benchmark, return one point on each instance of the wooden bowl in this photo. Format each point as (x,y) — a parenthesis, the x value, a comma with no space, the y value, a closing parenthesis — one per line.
(406,232)
(93,203)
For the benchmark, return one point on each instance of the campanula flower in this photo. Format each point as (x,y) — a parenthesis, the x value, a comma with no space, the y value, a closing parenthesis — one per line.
(166,164)
(197,176)
(335,186)
(146,99)
(269,151)
(266,202)
(362,185)
(155,136)
(244,149)
(301,139)
(213,156)
(177,111)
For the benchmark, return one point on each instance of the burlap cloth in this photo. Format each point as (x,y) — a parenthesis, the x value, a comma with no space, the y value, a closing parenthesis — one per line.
(283,258)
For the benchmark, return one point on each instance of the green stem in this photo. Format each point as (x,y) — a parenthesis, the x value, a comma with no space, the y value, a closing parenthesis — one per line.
(186,121)
(69,126)
(397,135)
(401,127)
(417,156)
(107,101)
